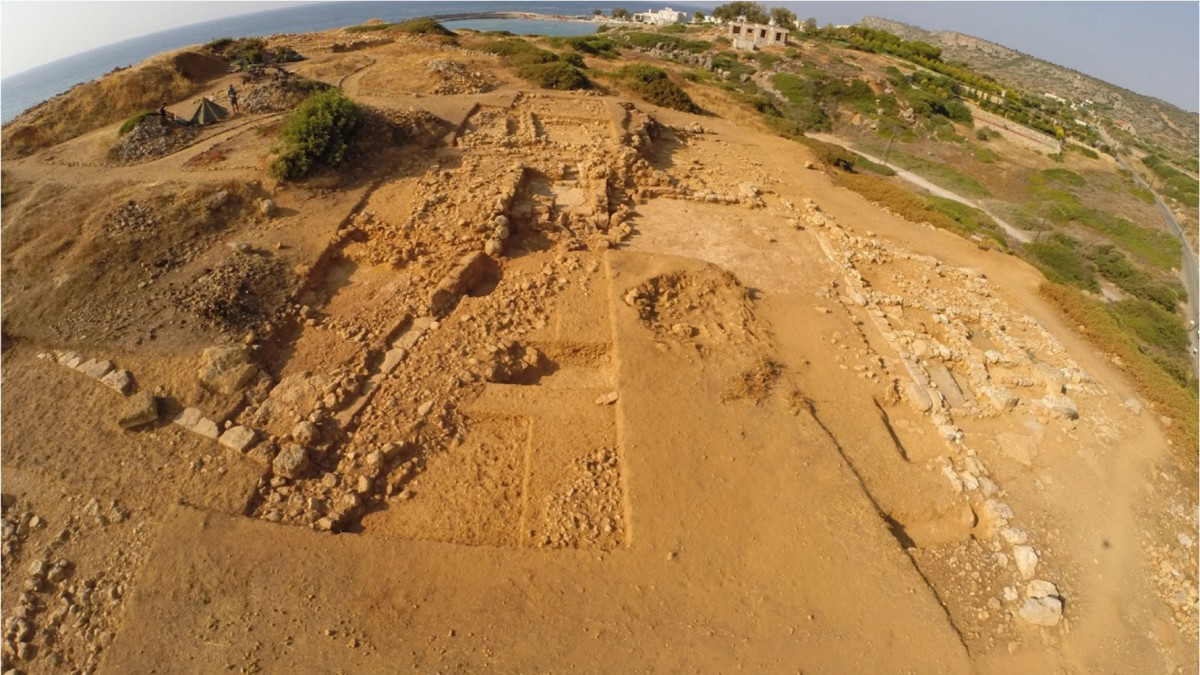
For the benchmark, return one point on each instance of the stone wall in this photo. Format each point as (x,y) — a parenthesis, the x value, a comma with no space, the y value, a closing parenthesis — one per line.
(1017,133)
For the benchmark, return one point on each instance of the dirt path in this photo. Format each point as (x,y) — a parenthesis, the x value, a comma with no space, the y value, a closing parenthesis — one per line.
(1014,232)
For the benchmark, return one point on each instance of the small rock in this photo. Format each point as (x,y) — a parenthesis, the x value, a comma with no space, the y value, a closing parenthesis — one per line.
(96,369)
(66,358)
(1010,593)
(121,380)
(139,409)
(306,433)
(1061,405)
(291,461)
(425,408)
(1039,588)
(57,574)
(1026,559)
(1041,611)
(188,418)
(207,428)
(218,200)
(1013,535)
(607,399)
(237,438)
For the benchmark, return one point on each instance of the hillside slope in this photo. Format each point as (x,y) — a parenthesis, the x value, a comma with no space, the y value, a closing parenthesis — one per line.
(1161,122)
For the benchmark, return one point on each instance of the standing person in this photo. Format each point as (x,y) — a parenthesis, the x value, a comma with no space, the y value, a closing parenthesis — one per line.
(233,99)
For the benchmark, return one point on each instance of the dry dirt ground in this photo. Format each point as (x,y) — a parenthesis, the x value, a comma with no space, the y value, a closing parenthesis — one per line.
(569,384)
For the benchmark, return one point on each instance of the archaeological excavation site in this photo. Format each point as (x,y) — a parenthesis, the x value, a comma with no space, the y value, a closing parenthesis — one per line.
(529,378)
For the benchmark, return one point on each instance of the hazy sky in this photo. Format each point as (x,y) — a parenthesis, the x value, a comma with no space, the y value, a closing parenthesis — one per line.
(1149,47)
(33,32)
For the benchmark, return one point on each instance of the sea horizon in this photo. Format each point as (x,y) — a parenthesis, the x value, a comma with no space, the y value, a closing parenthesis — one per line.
(22,91)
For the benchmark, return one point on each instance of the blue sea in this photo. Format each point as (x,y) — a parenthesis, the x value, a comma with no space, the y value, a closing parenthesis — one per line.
(24,90)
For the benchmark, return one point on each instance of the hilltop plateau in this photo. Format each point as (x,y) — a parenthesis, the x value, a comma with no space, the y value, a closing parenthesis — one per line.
(474,352)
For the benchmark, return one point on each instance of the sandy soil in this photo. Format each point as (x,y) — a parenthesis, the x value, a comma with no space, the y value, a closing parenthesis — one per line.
(569,383)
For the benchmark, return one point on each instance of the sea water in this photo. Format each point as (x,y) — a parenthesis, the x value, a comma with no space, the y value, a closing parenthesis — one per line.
(26,89)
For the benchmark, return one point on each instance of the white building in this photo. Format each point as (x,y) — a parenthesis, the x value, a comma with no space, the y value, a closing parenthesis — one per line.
(663,17)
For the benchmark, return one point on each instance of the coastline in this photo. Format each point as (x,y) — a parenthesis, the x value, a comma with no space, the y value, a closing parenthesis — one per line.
(528,16)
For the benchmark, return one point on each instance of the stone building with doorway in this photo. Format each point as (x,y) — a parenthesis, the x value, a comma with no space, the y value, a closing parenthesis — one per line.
(746,35)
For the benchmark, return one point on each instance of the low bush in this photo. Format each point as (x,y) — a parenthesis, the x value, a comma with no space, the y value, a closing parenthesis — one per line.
(656,87)
(369,27)
(592,45)
(986,155)
(555,75)
(423,27)
(1155,326)
(572,58)
(543,68)
(1065,176)
(1061,260)
(131,123)
(317,133)
(1082,150)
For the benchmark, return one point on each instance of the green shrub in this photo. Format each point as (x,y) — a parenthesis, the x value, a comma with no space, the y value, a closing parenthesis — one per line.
(592,45)
(766,59)
(1155,326)
(423,27)
(218,45)
(1156,247)
(243,51)
(654,86)
(543,68)
(131,123)
(804,103)
(316,133)
(555,75)
(986,155)
(1086,152)
(1059,258)
(369,27)
(1065,176)
(972,219)
(572,58)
